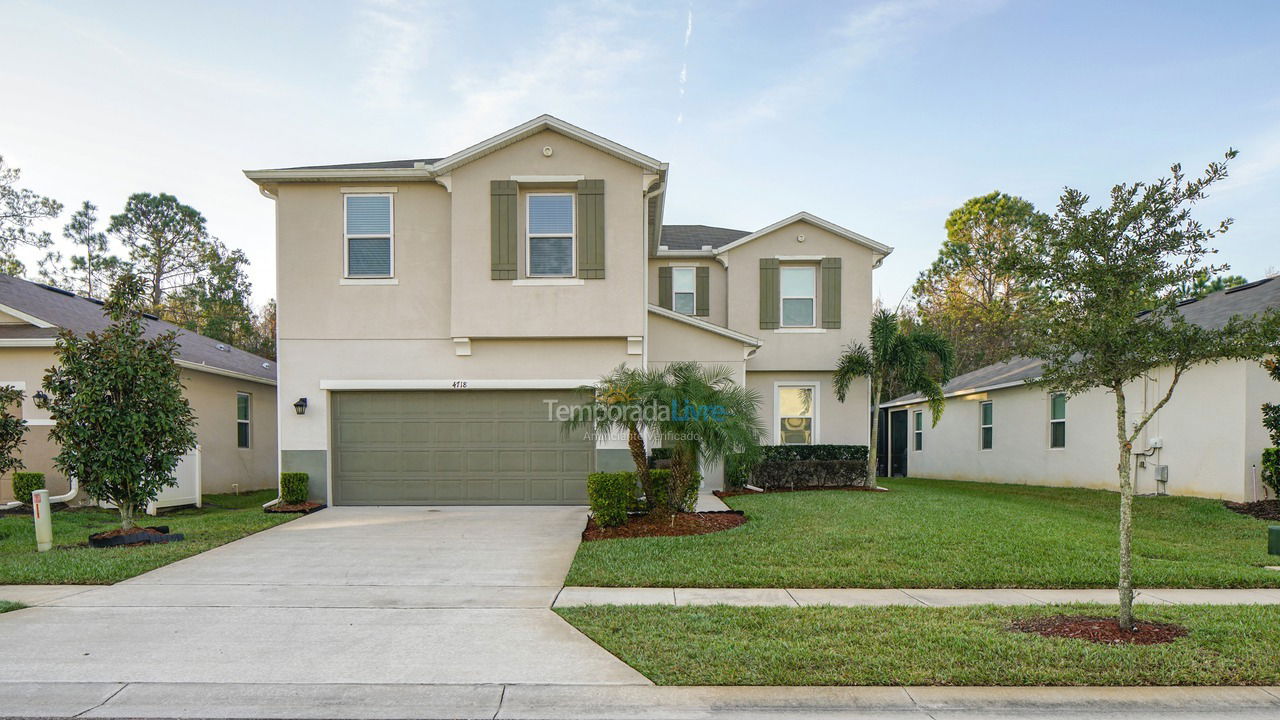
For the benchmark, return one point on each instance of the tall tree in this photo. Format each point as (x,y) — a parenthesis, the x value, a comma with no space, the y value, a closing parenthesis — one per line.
(20,210)
(1205,284)
(217,301)
(263,341)
(89,272)
(970,294)
(166,241)
(915,358)
(1109,280)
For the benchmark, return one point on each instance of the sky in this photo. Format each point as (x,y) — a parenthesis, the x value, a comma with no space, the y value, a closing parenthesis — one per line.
(881,116)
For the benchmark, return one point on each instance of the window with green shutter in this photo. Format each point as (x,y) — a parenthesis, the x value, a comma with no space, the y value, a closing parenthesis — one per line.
(830,269)
(591,229)
(502,229)
(769,293)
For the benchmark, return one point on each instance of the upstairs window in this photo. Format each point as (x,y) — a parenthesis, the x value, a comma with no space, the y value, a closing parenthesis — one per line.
(367,240)
(684,292)
(796,415)
(1058,420)
(244,431)
(798,286)
(986,425)
(550,234)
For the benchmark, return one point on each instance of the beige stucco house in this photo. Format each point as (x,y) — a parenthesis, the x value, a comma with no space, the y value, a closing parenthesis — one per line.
(432,312)
(231,391)
(1207,441)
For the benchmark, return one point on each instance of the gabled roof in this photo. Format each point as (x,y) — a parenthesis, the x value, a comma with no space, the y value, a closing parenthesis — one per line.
(882,250)
(1211,312)
(698,237)
(58,309)
(704,325)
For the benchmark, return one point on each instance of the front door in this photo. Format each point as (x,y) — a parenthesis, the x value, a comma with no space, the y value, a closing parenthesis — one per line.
(898,443)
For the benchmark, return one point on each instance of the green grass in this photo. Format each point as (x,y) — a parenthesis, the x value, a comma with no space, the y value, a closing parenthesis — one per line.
(6,606)
(944,534)
(719,645)
(72,562)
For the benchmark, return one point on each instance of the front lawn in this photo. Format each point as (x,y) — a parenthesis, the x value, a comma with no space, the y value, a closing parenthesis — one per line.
(944,534)
(72,562)
(719,645)
(7,606)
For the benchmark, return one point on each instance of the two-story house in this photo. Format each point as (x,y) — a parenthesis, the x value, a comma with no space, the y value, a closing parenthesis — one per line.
(433,312)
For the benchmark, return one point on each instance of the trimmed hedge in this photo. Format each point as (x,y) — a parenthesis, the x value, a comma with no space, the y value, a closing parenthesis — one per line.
(25,483)
(816,466)
(294,487)
(1271,469)
(661,482)
(610,495)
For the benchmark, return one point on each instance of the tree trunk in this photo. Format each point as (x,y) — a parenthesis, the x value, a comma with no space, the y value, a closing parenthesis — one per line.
(127,512)
(1126,510)
(875,434)
(635,441)
(684,465)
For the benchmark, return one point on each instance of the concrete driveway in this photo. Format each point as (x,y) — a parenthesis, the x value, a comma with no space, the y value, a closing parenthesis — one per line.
(347,595)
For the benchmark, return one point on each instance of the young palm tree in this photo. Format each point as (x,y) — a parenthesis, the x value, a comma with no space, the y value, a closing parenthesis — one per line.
(900,354)
(711,417)
(619,402)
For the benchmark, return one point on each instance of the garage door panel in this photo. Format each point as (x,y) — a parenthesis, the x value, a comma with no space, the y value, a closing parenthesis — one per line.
(450,447)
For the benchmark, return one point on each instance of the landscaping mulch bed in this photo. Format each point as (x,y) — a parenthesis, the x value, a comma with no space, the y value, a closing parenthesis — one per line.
(657,525)
(304,508)
(851,488)
(1261,509)
(133,537)
(1102,630)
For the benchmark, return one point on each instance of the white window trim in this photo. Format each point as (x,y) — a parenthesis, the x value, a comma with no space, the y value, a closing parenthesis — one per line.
(346,250)
(694,270)
(1052,421)
(247,423)
(917,430)
(777,409)
(573,235)
(782,299)
(983,426)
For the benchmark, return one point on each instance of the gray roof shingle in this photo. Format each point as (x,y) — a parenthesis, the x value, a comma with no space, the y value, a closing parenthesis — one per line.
(1211,312)
(80,315)
(694,237)
(381,165)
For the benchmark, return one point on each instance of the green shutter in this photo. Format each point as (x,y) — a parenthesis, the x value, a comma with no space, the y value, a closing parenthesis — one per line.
(769,293)
(591,229)
(702,295)
(664,287)
(502,229)
(831,292)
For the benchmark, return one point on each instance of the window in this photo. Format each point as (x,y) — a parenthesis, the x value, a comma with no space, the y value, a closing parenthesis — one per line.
(243,431)
(917,429)
(550,235)
(798,284)
(796,415)
(985,416)
(1058,420)
(367,240)
(684,292)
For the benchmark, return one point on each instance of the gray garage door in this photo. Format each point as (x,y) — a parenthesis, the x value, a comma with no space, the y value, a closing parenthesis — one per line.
(460,447)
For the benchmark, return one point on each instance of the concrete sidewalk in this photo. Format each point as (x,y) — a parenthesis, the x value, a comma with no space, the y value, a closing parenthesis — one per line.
(857,597)
(571,702)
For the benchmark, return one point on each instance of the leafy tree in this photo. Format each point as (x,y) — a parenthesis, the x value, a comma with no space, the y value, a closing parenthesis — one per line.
(915,358)
(91,273)
(116,400)
(217,301)
(166,241)
(711,417)
(620,402)
(263,340)
(20,209)
(12,430)
(1205,284)
(970,294)
(1271,411)
(1109,280)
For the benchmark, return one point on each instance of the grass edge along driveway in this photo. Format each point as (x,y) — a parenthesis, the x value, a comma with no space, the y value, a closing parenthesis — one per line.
(722,645)
(945,534)
(223,518)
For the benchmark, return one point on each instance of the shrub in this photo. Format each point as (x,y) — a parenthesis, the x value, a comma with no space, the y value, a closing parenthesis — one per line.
(799,474)
(661,481)
(610,495)
(25,483)
(294,487)
(660,458)
(1271,469)
(750,468)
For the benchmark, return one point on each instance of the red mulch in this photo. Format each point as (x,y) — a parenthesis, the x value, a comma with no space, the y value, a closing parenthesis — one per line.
(850,488)
(1103,630)
(1262,509)
(661,525)
(121,531)
(302,507)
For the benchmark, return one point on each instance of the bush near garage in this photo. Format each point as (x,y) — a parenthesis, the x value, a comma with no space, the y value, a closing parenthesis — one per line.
(611,494)
(773,467)
(25,483)
(294,487)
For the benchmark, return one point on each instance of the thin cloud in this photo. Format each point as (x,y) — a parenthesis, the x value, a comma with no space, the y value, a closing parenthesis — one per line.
(684,65)
(391,34)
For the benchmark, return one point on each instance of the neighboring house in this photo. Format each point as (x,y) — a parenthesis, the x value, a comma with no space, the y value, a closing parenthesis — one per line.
(1207,441)
(231,391)
(433,312)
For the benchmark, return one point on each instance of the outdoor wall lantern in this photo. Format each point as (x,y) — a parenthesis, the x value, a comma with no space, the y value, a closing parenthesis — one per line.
(40,397)
(300,407)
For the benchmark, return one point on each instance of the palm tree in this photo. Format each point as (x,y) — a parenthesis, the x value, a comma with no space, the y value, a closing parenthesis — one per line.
(619,402)
(897,354)
(711,417)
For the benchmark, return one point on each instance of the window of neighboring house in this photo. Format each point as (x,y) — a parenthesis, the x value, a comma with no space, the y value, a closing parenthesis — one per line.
(986,425)
(549,243)
(798,285)
(1058,420)
(796,414)
(243,413)
(367,241)
(684,293)
(917,418)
